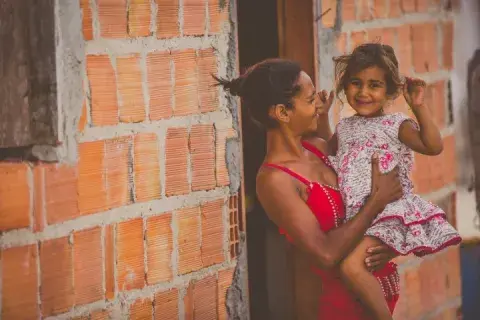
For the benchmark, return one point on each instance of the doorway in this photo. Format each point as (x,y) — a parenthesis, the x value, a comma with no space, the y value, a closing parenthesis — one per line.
(270,29)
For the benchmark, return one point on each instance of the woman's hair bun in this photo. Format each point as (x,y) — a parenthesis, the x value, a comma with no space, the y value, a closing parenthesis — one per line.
(234,86)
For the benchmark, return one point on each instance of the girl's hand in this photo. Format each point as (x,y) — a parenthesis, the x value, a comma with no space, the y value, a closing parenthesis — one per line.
(324,102)
(378,257)
(414,92)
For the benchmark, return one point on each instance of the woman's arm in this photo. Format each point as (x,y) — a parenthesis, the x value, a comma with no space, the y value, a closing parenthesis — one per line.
(427,140)
(277,194)
(324,131)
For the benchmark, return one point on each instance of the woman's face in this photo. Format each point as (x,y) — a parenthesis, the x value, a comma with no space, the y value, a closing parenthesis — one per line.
(303,116)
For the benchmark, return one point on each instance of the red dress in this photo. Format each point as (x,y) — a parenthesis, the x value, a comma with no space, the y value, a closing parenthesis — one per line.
(336,302)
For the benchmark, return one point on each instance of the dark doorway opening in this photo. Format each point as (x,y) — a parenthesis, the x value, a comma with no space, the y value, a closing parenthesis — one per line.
(269,29)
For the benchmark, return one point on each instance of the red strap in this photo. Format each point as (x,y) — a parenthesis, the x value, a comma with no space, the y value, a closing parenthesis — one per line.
(310,147)
(290,172)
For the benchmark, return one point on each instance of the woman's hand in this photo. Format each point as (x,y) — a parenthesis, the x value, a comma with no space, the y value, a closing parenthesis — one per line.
(386,187)
(378,257)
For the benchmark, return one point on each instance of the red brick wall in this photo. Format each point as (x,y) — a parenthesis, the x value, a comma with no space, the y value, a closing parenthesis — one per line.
(421,33)
(140,224)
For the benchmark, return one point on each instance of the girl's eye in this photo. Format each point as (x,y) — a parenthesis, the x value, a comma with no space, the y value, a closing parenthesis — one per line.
(355,82)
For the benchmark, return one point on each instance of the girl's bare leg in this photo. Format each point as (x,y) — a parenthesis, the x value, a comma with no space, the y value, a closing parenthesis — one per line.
(362,282)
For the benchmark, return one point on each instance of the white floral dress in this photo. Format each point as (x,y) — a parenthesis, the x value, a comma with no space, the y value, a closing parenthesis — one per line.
(409,225)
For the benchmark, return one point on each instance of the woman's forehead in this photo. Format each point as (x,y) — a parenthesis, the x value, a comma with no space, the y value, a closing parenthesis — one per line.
(306,84)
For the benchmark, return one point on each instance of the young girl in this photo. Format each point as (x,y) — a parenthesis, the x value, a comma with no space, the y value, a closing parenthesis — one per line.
(369,78)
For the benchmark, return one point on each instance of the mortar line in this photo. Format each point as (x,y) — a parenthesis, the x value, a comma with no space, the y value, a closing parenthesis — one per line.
(145,89)
(149,44)
(95,19)
(113,61)
(145,250)
(39,279)
(161,143)
(25,236)
(104,258)
(414,18)
(153,18)
(180,17)
(175,247)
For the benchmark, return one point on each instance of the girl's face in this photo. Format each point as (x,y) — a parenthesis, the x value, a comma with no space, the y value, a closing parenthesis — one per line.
(366,92)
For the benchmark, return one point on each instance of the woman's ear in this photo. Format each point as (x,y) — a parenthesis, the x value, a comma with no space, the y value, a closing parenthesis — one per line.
(280,113)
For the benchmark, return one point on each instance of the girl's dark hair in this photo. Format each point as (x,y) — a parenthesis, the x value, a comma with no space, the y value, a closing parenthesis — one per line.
(263,85)
(365,56)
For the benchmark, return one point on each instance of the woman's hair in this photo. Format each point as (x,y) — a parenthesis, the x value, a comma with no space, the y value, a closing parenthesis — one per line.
(365,56)
(263,85)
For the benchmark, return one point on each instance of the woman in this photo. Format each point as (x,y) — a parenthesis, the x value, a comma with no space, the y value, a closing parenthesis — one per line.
(298,189)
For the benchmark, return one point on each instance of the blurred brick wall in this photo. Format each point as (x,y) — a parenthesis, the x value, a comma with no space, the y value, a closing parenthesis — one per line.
(421,32)
(144,224)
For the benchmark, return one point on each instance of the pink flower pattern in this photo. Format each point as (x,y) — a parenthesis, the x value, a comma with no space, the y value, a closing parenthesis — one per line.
(408,225)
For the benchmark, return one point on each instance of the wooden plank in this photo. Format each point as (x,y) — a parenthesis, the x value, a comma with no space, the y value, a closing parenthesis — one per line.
(28,88)
(474,118)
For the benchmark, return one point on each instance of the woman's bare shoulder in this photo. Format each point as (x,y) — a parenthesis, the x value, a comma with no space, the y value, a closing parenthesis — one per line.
(319,143)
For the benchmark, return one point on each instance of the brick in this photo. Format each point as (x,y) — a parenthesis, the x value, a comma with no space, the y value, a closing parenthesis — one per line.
(205,299)
(202,149)
(357,38)
(349,12)
(433,173)
(447,45)
(176,162)
(395,9)
(167,18)
(422,5)
(160,86)
(61,193)
(435,100)
(141,309)
(39,214)
(109,252)
(189,239)
(194,17)
(132,107)
(363,10)
(424,39)
(188,303)
(88,266)
(82,122)
(453,272)
(15,203)
(404,49)
(432,282)
(103,90)
(382,35)
(341,43)
(411,291)
(130,261)
(139,16)
(408,6)
(112,15)
(328,19)
(222,135)
(159,249)
(218,12)
(212,232)
(116,164)
(166,304)
(225,278)
(146,167)
(92,196)
(186,83)
(87,21)
(208,92)
(379,9)
(100,315)
(19,283)
(56,291)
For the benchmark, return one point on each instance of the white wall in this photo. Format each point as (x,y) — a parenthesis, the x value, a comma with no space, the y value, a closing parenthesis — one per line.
(466,41)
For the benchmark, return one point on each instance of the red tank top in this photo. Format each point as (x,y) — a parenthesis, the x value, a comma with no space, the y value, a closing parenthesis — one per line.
(325,202)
